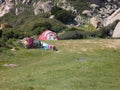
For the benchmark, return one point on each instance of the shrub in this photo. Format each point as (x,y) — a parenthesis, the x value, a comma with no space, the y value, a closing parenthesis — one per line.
(71,35)
(55,9)
(12,33)
(2,43)
(77,33)
(38,28)
(62,15)
(88,27)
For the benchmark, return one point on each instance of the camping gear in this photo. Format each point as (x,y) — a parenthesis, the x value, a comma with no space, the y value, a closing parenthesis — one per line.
(48,35)
(30,42)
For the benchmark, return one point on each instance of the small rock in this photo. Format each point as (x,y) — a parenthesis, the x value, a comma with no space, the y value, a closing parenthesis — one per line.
(10,65)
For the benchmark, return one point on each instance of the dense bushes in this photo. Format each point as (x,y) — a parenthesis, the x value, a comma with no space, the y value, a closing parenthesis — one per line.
(38,28)
(43,23)
(62,15)
(80,5)
(12,33)
(2,43)
(71,35)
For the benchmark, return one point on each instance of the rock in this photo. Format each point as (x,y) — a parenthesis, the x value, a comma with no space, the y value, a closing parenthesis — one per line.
(78,20)
(64,4)
(95,21)
(116,32)
(13,49)
(19,10)
(52,16)
(43,7)
(6,6)
(87,12)
(115,16)
(10,65)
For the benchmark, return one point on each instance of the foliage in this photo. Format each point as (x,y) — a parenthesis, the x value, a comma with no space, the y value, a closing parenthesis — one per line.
(2,43)
(20,19)
(53,24)
(12,33)
(77,33)
(80,5)
(71,35)
(38,28)
(87,27)
(55,9)
(62,15)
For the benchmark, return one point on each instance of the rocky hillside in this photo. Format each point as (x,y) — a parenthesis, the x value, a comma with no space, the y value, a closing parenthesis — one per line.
(95,12)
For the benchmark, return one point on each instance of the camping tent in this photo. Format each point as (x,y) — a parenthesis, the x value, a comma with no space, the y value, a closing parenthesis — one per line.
(48,35)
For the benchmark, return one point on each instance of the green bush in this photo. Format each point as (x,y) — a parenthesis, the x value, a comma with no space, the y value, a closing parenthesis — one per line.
(38,28)
(2,43)
(88,27)
(62,15)
(12,33)
(71,35)
(78,33)
(55,9)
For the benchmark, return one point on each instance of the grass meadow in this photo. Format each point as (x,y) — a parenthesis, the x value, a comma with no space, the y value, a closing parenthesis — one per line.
(91,64)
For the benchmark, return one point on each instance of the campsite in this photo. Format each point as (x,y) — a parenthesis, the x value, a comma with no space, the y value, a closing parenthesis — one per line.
(59,44)
(91,64)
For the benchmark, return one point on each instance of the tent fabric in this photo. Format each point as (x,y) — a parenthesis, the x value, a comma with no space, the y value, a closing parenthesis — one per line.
(48,35)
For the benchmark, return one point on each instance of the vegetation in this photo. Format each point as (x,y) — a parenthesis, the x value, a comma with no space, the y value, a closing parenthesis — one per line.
(27,24)
(78,64)
(80,5)
(38,28)
(62,15)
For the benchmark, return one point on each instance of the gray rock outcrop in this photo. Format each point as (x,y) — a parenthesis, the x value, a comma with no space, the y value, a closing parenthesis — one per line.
(115,16)
(116,32)
(42,7)
(6,6)
(104,12)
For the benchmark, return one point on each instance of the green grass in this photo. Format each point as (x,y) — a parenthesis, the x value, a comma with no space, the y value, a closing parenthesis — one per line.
(77,65)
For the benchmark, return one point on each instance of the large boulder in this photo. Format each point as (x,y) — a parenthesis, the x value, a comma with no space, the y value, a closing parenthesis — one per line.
(116,32)
(42,7)
(6,6)
(115,16)
(96,22)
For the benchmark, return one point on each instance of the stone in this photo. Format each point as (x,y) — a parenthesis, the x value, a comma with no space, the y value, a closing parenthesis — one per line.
(115,16)
(116,32)
(43,7)
(95,21)
(10,65)
(52,16)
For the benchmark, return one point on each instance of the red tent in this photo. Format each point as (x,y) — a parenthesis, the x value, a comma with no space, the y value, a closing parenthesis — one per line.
(48,35)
